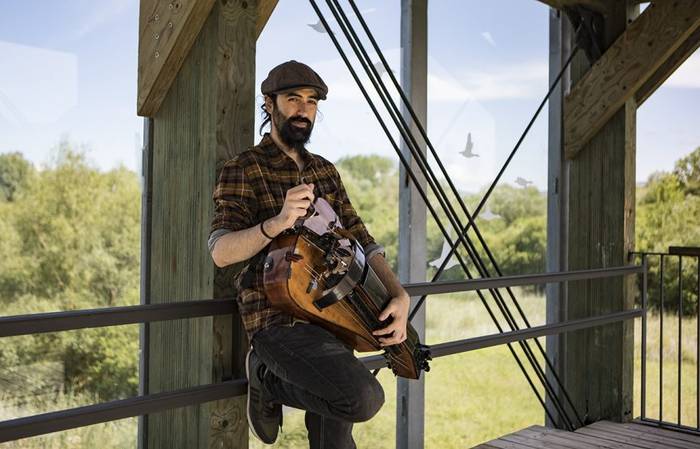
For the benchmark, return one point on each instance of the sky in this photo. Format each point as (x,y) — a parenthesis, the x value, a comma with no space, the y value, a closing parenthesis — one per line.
(71,73)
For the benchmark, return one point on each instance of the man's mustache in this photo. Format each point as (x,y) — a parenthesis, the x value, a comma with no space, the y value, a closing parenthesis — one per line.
(300,119)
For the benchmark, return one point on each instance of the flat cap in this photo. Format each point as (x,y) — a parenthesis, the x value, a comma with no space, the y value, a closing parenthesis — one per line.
(290,75)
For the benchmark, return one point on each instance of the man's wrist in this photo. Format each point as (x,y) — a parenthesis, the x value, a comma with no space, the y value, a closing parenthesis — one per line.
(272,227)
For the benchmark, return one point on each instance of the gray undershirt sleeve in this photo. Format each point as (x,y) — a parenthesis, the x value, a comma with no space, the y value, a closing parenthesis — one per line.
(216,235)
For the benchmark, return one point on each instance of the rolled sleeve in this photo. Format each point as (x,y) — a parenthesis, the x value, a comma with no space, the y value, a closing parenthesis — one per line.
(234,200)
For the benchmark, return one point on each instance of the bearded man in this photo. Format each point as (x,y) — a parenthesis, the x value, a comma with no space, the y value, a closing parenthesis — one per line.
(260,193)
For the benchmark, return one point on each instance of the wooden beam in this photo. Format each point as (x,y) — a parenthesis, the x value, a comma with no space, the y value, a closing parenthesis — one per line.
(167,31)
(682,53)
(265,8)
(650,41)
(601,6)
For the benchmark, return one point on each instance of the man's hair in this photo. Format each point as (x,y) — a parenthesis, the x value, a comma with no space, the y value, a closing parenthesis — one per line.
(267,118)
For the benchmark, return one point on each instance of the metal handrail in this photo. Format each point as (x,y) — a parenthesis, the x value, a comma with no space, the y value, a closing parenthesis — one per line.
(31,426)
(38,323)
(35,425)
(115,316)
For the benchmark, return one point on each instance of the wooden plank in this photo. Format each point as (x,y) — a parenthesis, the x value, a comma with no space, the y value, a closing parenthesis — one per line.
(504,444)
(669,66)
(574,436)
(180,351)
(231,117)
(560,30)
(633,58)
(556,439)
(660,431)
(207,116)
(598,369)
(632,442)
(167,31)
(646,436)
(541,439)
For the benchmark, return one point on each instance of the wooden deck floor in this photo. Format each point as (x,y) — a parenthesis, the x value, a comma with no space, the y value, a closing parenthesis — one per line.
(603,434)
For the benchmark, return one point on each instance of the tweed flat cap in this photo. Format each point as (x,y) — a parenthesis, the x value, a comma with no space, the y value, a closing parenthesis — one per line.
(290,75)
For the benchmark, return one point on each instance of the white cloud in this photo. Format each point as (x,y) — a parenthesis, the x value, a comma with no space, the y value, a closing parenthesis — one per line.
(39,86)
(103,12)
(687,75)
(507,81)
(488,38)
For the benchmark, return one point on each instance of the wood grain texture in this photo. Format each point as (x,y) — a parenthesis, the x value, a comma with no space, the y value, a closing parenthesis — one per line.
(166,34)
(631,60)
(599,435)
(596,364)
(265,8)
(167,31)
(207,115)
(669,66)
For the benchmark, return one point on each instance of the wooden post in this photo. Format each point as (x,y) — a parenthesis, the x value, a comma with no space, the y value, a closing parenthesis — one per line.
(597,364)
(206,117)
(557,194)
(410,397)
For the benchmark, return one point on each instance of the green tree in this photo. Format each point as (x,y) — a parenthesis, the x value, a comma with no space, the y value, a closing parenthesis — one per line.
(70,241)
(16,173)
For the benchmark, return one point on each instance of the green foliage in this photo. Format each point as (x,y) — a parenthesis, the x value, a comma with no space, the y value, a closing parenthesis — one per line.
(668,214)
(517,238)
(71,236)
(372,186)
(16,174)
(71,241)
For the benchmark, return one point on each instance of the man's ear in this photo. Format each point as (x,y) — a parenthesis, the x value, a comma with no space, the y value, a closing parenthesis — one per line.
(268,104)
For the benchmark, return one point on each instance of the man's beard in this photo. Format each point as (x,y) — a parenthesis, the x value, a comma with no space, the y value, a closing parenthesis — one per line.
(291,135)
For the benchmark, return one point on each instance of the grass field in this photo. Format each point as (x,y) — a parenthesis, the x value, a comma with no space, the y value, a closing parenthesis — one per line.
(470,398)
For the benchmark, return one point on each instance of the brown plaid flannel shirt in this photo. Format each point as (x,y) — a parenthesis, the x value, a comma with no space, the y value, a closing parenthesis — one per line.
(251,188)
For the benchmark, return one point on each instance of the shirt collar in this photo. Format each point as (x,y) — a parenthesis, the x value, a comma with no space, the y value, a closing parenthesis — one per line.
(278,157)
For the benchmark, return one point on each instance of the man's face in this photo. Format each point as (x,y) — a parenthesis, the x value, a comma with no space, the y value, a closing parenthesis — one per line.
(293,115)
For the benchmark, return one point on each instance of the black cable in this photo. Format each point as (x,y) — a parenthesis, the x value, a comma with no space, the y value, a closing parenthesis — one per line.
(420,190)
(484,199)
(481,267)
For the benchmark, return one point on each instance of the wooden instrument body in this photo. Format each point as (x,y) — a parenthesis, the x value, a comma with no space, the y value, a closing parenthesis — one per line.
(293,281)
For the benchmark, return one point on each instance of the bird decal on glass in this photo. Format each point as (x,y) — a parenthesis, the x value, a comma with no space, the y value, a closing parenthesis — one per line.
(522,182)
(318,27)
(445,251)
(467,152)
(488,215)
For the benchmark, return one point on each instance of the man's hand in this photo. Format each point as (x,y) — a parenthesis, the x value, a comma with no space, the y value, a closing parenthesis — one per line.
(396,330)
(296,202)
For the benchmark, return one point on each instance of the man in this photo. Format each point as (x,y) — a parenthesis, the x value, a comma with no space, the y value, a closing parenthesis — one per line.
(260,193)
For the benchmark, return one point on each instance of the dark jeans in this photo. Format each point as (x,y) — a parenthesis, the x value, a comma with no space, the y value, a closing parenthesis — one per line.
(314,371)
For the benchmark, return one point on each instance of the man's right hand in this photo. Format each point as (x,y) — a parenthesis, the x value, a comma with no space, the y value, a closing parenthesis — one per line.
(296,203)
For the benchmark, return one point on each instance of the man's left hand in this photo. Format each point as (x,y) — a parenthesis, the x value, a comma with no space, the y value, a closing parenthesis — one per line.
(395,332)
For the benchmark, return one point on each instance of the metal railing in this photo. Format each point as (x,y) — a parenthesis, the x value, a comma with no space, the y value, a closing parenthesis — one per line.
(678,302)
(41,424)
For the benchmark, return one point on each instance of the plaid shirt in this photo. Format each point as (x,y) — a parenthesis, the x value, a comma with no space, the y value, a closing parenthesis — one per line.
(252,188)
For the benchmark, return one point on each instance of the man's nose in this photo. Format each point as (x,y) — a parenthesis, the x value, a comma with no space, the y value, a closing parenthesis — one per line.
(301,110)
